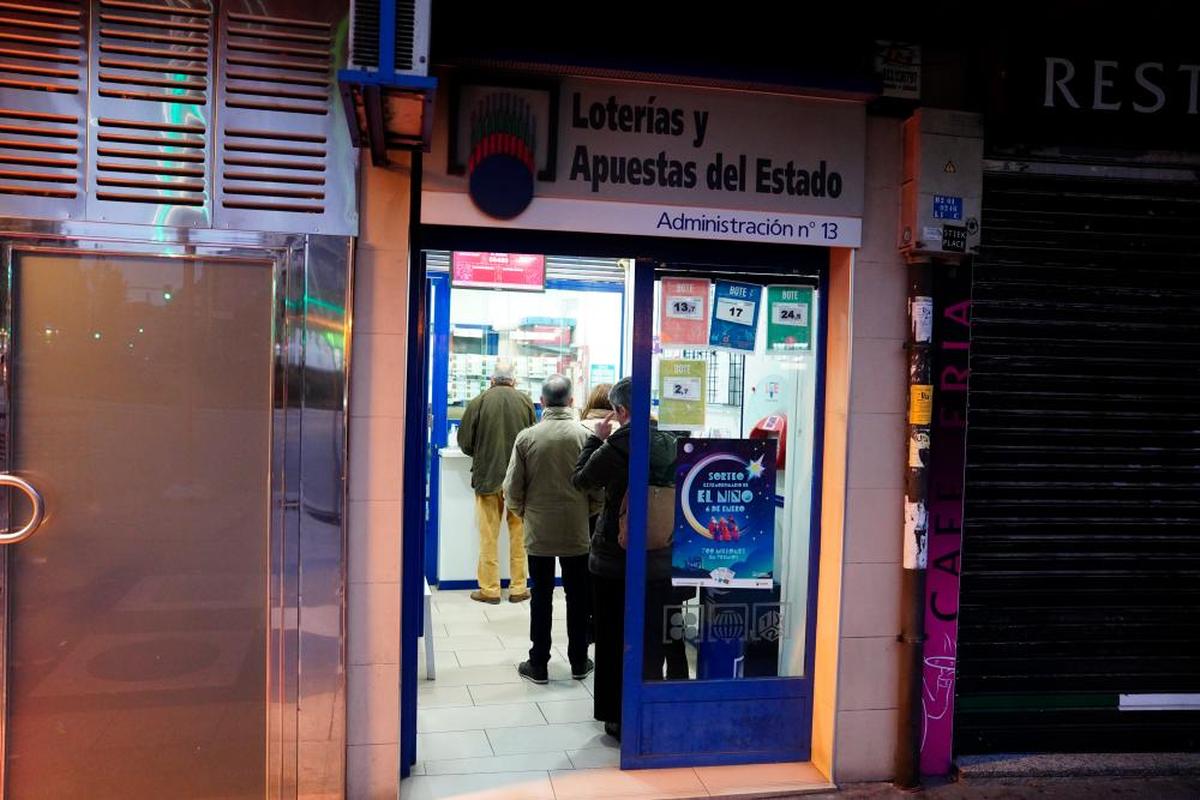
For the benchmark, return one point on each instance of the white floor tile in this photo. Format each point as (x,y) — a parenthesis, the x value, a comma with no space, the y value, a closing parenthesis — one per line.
(525,692)
(546,738)
(433,694)
(472,676)
(611,782)
(483,786)
(471,718)
(567,711)
(456,744)
(594,757)
(521,762)
(762,778)
(483,641)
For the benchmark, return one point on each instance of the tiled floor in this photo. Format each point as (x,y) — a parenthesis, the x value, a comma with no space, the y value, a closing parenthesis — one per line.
(484,734)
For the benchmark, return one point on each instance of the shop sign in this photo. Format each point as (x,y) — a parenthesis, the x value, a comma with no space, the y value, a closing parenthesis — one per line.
(629,158)
(1105,95)
(498,271)
(735,316)
(683,311)
(789,318)
(682,395)
(724,513)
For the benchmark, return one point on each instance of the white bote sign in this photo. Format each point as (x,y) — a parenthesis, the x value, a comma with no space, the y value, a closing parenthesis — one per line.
(645,160)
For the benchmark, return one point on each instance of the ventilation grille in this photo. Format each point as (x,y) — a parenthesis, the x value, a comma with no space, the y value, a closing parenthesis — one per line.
(406,32)
(364,34)
(278,125)
(151,96)
(43,72)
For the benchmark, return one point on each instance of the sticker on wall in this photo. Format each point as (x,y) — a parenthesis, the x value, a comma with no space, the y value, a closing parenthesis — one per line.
(789,319)
(683,311)
(724,513)
(920,404)
(946,207)
(921,314)
(682,394)
(735,316)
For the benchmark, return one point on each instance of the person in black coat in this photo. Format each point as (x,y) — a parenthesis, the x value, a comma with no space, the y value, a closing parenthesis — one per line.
(604,464)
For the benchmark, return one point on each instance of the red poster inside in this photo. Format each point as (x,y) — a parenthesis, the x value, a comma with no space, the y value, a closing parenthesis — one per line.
(683,311)
(499,271)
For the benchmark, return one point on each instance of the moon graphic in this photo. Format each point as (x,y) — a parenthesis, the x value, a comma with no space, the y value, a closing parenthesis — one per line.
(686,489)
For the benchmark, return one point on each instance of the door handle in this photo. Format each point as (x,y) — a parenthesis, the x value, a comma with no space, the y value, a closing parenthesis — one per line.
(35,499)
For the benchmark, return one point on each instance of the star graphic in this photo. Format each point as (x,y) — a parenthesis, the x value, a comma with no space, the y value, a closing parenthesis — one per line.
(755,467)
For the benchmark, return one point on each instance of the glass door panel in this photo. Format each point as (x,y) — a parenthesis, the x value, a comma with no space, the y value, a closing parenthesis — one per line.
(729,373)
(140,406)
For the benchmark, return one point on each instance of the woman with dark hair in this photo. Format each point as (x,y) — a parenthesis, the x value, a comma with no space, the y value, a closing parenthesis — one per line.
(604,464)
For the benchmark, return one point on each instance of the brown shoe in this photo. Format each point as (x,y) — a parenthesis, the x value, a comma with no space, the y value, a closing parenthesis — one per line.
(480,597)
(518,598)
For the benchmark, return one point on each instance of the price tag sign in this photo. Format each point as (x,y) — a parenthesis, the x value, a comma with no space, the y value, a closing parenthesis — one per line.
(683,388)
(793,315)
(683,311)
(686,308)
(789,318)
(681,396)
(739,312)
(735,316)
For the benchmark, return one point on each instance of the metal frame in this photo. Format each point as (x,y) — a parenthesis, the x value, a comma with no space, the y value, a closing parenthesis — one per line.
(306,668)
(782,694)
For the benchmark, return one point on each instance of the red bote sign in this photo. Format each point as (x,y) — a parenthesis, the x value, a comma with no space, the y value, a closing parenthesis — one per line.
(499,271)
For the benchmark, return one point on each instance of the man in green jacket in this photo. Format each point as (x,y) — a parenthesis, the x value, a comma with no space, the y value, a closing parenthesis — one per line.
(538,489)
(488,430)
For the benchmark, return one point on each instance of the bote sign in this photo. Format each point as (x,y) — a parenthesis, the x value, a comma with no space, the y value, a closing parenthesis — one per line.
(1133,101)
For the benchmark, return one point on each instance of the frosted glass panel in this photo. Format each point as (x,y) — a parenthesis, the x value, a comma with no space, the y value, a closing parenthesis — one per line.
(142,410)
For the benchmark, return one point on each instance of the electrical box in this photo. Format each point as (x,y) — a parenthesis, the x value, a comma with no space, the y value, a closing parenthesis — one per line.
(942,187)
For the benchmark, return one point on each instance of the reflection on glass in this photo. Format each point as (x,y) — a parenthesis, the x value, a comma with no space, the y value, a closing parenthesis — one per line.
(737,602)
(138,611)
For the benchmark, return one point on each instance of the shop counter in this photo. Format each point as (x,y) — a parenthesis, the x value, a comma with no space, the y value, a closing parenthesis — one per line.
(458,535)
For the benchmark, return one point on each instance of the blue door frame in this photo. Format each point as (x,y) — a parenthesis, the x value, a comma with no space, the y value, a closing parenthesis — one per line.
(438,300)
(683,698)
(707,722)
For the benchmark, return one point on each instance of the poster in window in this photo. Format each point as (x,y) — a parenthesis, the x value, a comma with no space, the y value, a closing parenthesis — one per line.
(735,316)
(724,513)
(789,319)
(682,393)
(683,311)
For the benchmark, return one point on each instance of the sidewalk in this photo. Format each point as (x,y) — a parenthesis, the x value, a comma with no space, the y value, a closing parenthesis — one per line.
(1090,788)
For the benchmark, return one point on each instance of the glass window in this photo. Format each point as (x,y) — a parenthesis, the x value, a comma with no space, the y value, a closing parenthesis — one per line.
(731,473)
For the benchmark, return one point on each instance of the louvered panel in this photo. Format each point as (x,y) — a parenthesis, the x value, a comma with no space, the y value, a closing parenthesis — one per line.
(1081,550)
(43,102)
(151,103)
(285,162)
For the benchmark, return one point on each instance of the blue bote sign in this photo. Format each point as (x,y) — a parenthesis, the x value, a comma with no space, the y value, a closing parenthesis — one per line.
(724,513)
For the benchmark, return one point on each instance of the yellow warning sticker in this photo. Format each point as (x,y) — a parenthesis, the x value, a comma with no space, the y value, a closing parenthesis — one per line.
(920,404)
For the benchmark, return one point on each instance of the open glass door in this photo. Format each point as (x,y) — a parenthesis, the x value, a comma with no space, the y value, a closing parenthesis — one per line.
(726,433)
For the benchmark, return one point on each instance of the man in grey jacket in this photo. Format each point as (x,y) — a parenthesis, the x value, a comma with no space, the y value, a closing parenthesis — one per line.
(537,488)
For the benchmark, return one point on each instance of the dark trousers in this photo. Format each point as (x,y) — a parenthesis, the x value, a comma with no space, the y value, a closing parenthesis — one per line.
(576,581)
(608,608)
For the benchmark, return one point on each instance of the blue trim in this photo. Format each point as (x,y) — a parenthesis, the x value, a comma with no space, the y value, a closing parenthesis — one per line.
(459,585)
(568,285)
(439,284)
(387,37)
(416,83)
(412,587)
(639,476)
(814,527)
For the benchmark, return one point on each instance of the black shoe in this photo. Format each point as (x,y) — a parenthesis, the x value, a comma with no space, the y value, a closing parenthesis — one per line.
(579,673)
(532,674)
(613,729)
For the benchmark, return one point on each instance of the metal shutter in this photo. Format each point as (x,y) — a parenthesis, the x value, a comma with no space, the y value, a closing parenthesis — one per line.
(1081,551)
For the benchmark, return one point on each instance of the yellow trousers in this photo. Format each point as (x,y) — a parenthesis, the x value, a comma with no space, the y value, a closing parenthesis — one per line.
(488,508)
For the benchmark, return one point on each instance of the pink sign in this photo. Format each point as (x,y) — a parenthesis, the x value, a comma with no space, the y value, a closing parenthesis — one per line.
(683,311)
(498,271)
(952,330)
